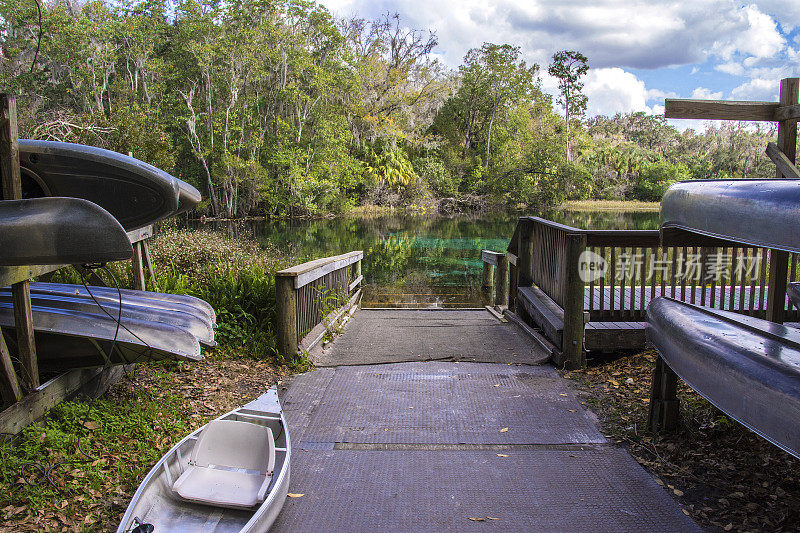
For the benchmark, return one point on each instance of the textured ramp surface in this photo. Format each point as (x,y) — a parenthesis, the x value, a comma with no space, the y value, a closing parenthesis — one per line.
(444,403)
(437,491)
(388,336)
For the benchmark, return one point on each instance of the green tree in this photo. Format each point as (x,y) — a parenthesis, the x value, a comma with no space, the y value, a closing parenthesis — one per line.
(568,67)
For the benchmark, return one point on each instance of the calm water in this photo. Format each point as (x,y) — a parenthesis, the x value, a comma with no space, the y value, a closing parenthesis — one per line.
(414,261)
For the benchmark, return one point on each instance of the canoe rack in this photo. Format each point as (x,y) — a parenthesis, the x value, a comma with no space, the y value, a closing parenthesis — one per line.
(25,400)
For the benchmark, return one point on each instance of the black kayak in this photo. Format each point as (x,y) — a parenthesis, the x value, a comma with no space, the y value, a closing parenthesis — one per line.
(58,231)
(73,339)
(134,192)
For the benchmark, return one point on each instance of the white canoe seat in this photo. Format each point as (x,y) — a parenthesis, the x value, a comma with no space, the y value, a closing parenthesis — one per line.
(231,465)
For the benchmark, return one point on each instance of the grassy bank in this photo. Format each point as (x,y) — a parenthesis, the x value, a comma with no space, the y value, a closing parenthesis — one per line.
(77,468)
(610,205)
(727,477)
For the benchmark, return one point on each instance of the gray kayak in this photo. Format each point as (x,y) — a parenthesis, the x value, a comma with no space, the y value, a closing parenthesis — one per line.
(188,197)
(747,367)
(169,499)
(160,300)
(135,193)
(201,329)
(758,212)
(57,231)
(70,339)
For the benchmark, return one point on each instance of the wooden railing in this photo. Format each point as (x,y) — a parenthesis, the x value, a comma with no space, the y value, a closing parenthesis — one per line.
(314,295)
(641,265)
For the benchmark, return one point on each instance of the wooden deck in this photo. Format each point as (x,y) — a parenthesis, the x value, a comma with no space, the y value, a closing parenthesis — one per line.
(604,334)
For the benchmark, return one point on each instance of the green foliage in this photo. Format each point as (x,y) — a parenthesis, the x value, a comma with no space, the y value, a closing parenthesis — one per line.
(391,167)
(656,178)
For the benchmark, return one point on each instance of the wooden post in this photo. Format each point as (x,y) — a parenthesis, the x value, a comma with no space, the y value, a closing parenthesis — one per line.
(149,262)
(664,404)
(12,190)
(286,306)
(138,267)
(487,282)
(501,292)
(573,356)
(525,255)
(779,260)
(9,386)
(512,287)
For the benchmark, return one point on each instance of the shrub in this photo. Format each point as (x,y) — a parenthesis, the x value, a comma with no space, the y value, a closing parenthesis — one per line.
(656,178)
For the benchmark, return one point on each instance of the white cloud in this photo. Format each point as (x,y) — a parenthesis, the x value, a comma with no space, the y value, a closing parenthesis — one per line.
(731,67)
(613,90)
(705,94)
(757,89)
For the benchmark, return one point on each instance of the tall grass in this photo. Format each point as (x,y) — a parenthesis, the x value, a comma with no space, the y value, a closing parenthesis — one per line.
(236,276)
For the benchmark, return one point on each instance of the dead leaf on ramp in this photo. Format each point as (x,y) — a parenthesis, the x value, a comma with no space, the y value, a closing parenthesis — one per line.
(476,519)
(295,495)
(503,430)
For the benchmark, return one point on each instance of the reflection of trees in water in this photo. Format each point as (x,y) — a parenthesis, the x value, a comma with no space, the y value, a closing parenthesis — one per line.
(434,258)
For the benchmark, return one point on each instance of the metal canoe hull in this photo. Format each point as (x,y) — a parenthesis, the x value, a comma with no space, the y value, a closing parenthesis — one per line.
(199,328)
(188,197)
(758,212)
(154,502)
(747,367)
(55,231)
(175,302)
(70,339)
(135,193)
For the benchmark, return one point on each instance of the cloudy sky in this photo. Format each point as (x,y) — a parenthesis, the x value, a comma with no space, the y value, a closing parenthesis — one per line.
(639,51)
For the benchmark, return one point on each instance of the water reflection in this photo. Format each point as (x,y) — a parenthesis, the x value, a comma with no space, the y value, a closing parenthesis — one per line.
(414,261)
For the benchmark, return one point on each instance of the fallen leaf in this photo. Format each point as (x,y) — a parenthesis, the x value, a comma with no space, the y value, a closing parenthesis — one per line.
(562,394)
(502,455)
(294,495)
(678,492)
(476,519)
(503,430)
(492,518)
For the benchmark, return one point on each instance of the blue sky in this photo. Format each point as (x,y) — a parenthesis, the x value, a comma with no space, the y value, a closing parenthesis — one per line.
(639,51)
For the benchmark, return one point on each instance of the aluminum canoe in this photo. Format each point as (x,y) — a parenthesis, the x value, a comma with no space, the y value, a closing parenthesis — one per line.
(70,339)
(160,300)
(199,328)
(135,193)
(758,212)
(154,502)
(56,231)
(747,367)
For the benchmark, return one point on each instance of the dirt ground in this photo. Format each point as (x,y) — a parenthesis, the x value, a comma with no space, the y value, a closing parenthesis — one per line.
(727,477)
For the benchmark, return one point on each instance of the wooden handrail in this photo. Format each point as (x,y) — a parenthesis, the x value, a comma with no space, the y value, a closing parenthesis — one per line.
(305,273)
(302,295)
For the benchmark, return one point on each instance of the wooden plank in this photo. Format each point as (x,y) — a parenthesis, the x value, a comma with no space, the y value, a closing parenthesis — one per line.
(544,312)
(26,343)
(286,307)
(535,335)
(9,386)
(785,167)
(9,149)
(611,337)
(787,112)
(317,333)
(512,259)
(487,256)
(138,268)
(356,283)
(136,235)
(36,404)
(14,274)
(148,259)
(787,130)
(664,407)
(501,292)
(309,266)
(720,109)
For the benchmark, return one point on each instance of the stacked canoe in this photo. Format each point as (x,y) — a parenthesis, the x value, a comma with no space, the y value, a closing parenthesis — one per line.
(79,203)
